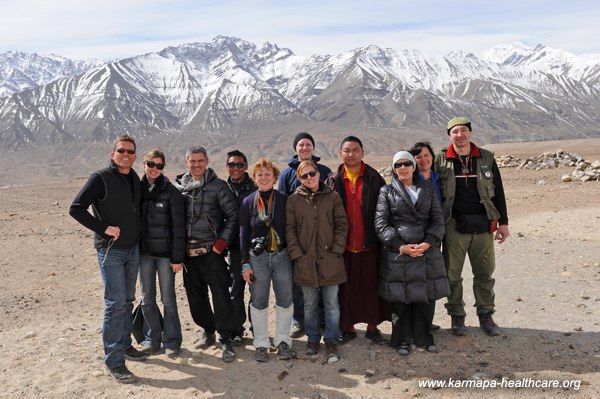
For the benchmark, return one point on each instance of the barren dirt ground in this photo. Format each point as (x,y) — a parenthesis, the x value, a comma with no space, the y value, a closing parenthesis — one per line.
(548,305)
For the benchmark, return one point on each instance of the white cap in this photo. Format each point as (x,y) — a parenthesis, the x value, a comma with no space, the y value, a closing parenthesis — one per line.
(403,155)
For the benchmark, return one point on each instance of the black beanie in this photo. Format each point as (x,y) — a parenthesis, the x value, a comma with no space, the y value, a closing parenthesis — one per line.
(303,135)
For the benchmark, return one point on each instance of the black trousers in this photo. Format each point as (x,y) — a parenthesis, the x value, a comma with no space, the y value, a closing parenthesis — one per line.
(411,322)
(238,289)
(202,273)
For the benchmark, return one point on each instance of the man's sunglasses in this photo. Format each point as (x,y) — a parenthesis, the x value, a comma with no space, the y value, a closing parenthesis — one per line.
(124,150)
(406,164)
(159,166)
(305,176)
(239,165)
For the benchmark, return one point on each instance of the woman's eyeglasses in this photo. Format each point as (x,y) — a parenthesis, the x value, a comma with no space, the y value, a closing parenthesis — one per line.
(159,166)
(239,165)
(125,150)
(406,164)
(305,176)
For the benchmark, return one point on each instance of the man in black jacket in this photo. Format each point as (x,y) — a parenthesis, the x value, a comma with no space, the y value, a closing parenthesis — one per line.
(241,186)
(211,224)
(114,195)
(358,185)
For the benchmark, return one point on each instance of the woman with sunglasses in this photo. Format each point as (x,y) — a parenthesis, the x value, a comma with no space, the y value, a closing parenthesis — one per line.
(316,231)
(162,251)
(410,224)
(265,259)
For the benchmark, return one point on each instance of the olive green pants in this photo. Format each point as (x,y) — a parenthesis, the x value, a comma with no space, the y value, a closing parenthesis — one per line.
(480,248)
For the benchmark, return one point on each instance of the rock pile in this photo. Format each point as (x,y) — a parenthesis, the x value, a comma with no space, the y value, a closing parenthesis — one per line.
(548,160)
(584,170)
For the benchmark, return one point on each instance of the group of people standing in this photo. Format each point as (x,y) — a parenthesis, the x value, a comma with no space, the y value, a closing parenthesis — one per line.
(339,248)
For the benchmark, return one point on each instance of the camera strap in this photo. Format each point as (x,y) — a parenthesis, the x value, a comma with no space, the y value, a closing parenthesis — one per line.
(264,215)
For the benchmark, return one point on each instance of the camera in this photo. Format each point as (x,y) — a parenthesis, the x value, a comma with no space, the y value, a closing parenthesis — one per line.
(257,245)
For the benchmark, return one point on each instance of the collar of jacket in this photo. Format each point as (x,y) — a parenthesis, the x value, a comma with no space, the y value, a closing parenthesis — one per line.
(305,191)
(294,161)
(159,185)
(363,167)
(160,180)
(246,183)
(114,168)
(402,191)
(186,182)
(452,154)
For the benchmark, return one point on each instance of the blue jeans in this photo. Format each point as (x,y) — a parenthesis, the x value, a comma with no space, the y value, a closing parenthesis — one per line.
(170,333)
(276,267)
(119,269)
(267,268)
(311,313)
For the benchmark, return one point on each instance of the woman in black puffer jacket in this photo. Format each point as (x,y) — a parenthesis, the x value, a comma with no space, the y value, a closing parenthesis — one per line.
(410,224)
(162,252)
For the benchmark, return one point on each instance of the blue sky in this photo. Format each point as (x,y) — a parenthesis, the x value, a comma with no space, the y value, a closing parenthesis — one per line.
(112,29)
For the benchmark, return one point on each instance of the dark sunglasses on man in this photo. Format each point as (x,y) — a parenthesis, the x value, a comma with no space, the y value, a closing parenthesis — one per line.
(125,150)
(239,165)
(159,166)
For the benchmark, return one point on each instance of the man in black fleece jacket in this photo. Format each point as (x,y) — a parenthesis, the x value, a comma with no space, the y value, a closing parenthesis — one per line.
(114,194)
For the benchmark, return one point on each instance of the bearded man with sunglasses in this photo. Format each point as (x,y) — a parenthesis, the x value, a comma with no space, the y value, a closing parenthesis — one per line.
(241,185)
(114,193)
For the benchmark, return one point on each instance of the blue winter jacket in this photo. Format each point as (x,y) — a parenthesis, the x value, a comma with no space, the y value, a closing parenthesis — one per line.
(288,181)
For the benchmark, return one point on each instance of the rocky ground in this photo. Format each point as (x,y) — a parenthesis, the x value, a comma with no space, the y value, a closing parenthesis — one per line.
(548,304)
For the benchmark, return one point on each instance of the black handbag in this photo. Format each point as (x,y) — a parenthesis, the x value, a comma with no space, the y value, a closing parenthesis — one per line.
(137,326)
(472,224)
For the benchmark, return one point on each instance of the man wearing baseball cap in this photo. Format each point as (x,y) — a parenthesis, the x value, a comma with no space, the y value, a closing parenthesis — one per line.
(475,213)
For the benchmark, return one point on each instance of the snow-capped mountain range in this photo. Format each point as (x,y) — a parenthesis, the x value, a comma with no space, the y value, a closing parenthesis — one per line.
(20,71)
(232,87)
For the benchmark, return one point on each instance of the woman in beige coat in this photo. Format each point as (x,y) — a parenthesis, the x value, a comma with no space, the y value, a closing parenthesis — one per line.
(316,231)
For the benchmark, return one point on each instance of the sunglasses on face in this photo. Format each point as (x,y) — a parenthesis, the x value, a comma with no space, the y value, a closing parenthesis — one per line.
(159,166)
(305,176)
(124,150)
(406,164)
(239,165)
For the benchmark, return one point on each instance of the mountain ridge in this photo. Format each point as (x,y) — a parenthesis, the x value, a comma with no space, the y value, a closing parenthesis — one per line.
(230,87)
